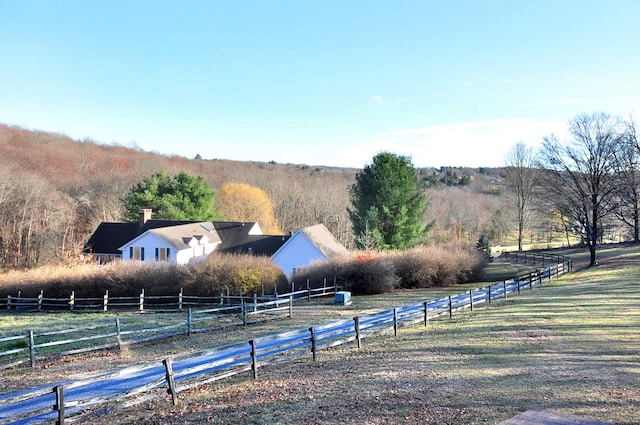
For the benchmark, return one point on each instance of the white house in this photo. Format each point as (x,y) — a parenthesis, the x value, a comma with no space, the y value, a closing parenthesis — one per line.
(305,246)
(177,244)
(181,242)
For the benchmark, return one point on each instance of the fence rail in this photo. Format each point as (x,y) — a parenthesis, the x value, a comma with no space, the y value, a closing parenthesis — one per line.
(229,311)
(143,302)
(179,373)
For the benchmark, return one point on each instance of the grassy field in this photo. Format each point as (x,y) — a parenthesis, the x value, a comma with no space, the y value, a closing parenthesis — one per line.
(572,346)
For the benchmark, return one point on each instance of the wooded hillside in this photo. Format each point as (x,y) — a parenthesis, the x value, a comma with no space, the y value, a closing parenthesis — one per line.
(54,191)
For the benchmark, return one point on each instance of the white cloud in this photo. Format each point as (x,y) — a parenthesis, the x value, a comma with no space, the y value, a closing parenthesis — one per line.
(474,144)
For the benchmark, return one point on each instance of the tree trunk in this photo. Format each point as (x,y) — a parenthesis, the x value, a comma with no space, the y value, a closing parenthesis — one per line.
(592,252)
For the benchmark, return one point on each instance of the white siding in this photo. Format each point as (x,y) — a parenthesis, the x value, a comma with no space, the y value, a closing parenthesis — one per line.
(149,242)
(298,252)
(197,252)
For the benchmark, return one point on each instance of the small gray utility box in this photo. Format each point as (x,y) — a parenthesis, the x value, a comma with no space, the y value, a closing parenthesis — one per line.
(343,298)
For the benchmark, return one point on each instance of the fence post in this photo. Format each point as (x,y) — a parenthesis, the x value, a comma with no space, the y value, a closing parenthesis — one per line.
(504,285)
(105,300)
(221,298)
(118,335)
(59,406)
(395,321)
(40,300)
(32,349)
(489,294)
(290,305)
(255,302)
(471,299)
(313,343)
(308,291)
(244,312)
(450,308)
(189,322)
(169,377)
(180,300)
(531,281)
(254,358)
(426,313)
(72,299)
(356,321)
(8,302)
(518,282)
(142,300)
(324,286)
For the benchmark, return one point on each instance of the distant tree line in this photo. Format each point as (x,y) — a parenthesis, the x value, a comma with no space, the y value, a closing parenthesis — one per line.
(54,191)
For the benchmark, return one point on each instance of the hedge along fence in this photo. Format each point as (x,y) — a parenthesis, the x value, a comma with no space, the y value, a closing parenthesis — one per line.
(232,311)
(144,302)
(143,382)
(21,349)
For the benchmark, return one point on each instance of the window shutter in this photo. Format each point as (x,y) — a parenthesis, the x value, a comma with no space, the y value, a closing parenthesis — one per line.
(142,254)
(130,253)
(157,254)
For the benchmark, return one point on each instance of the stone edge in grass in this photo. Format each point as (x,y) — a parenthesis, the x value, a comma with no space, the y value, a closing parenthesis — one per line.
(549,417)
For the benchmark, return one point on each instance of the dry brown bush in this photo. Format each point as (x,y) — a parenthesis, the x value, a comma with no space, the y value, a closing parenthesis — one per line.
(374,272)
(232,273)
(438,266)
(218,273)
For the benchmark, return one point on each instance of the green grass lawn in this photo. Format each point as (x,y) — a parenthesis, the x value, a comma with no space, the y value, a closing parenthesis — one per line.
(572,346)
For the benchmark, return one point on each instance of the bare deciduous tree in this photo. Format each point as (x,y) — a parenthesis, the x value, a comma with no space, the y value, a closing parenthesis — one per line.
(581,173)
(521,176)
(628,170)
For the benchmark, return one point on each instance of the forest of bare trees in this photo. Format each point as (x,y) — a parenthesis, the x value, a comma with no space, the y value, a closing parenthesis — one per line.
(54,191)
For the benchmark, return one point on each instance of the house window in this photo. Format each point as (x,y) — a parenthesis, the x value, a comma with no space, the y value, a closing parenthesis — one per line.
(163,254)
(136,253)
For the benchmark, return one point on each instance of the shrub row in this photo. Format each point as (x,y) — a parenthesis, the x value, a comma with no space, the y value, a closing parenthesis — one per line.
(366,272)
(379,272)
(233,274)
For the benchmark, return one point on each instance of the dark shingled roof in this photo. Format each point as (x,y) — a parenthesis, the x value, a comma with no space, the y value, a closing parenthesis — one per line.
(232,233)
(110,236)
(235,236)
(256,244)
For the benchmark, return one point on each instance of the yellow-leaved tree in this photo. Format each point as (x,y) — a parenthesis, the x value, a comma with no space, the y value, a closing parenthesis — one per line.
(243,202)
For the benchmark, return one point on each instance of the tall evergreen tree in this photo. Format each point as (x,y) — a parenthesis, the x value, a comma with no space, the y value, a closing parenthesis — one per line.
(182,197)
(388,206)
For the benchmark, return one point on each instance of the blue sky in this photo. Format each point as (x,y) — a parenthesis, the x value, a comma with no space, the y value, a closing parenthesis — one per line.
(332,83)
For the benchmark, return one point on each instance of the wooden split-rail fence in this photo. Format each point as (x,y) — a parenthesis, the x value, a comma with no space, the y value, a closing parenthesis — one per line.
(69,400)
(227,311)
(144,302)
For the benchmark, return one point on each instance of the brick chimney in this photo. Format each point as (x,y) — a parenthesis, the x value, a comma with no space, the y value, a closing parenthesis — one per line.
(145,215)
